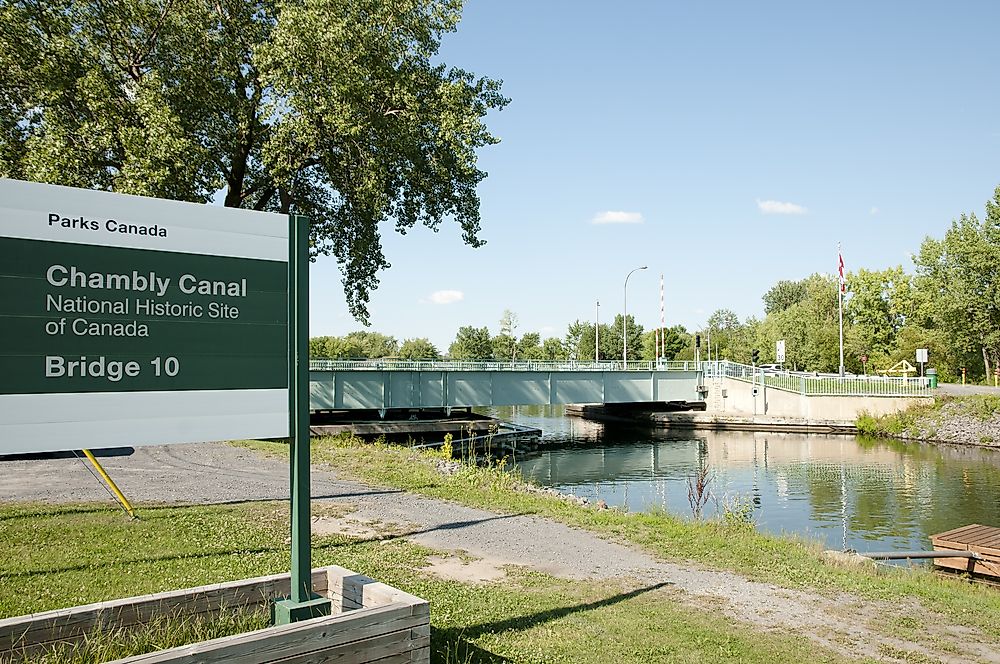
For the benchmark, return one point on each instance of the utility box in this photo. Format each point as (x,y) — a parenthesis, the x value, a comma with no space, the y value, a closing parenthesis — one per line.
(932,377)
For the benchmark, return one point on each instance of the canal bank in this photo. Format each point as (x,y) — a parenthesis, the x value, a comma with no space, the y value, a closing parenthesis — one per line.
(958,420)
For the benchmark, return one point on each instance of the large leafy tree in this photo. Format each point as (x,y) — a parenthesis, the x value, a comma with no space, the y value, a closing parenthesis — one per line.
(809,328)
(419,349)
(553,349)
(336,109)
(612,347)
(471,343)
(529,346)
(783,295)
(880,303)
(961,276)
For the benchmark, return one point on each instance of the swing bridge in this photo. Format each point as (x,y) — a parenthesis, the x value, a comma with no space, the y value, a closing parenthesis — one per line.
(400,384)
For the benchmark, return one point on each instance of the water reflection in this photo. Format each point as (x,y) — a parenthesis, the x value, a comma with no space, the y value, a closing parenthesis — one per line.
(849,493)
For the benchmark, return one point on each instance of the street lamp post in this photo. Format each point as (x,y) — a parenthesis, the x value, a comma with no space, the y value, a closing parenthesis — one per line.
(625,320)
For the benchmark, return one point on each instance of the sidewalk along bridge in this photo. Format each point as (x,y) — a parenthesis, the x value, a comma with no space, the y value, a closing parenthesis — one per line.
(389,384)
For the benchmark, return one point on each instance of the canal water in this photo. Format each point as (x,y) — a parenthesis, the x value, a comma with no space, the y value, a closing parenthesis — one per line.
(848,493)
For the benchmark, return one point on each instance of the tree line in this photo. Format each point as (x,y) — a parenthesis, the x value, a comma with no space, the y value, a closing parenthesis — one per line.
(949,303)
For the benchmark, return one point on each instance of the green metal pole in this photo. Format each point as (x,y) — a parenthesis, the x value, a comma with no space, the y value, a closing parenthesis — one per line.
(298,311)
(302,604)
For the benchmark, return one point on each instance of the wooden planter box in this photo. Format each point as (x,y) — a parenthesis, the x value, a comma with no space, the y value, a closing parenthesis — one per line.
(370,622)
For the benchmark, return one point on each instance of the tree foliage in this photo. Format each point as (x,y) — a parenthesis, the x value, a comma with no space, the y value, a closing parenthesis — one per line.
(471,343)
(674,340)
(783,295)
(962,274)
(335,109)
(419,349)
(359,345)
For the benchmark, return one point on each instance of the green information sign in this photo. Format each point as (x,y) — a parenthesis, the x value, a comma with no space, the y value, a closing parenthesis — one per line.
(81,318)
(119,308)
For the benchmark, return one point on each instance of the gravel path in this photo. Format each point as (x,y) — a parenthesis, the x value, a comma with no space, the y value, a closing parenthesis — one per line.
(214,473)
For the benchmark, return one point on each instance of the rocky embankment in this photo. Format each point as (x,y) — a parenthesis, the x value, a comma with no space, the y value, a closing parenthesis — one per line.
(957,420)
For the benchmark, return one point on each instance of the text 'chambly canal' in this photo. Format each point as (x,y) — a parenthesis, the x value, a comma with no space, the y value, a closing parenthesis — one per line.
(187,284)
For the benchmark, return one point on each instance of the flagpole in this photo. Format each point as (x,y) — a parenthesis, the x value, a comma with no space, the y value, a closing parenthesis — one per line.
(840,304)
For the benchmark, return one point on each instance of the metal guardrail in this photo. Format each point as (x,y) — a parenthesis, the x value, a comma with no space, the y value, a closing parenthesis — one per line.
(810,384)
(495,365)
(815,384)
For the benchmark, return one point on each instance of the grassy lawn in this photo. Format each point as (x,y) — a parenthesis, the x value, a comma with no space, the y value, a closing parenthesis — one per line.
(63,556)
(784,561)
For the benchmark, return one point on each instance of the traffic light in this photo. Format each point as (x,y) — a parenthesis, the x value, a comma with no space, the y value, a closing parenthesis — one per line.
(697,341)
(754,356)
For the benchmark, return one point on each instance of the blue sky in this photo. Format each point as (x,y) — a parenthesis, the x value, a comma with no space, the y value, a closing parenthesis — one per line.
(740,141)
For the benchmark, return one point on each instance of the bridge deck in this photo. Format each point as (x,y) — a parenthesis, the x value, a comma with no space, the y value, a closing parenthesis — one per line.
(375,388)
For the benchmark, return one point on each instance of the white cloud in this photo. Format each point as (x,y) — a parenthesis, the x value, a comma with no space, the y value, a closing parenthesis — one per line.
(873,211)
(617,217)
(445,297)
(780,207)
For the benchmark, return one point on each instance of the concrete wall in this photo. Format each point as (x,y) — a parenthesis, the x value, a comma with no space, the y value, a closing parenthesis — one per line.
(779,403)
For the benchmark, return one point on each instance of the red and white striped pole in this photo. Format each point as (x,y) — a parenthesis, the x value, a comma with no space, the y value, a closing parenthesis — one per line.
(663,341)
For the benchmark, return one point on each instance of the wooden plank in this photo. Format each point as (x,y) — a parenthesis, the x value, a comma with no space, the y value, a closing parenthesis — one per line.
(404,623)
(395,646)
(961,538)
(990,542)
(982,533)
(70,624)
(955,532)
(371,592)
(986,568)
(976,534)
(960,564)
(987,552)
(279,643)
(421,656)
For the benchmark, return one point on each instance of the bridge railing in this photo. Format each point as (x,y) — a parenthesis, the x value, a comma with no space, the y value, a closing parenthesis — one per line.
(497,365)
(816,384)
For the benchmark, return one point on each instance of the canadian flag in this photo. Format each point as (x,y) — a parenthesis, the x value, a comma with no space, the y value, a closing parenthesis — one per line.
(840,269)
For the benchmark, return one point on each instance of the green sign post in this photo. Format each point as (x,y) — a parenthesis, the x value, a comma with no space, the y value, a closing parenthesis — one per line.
(137,321)
(302,604)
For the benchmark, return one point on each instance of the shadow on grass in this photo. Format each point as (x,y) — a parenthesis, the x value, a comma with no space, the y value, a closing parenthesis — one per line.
(448,647)
(454,645)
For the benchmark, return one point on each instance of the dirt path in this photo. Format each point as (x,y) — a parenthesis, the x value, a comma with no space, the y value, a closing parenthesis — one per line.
(213,473)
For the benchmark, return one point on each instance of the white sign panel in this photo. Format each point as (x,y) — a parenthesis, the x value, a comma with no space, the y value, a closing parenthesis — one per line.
(779,353)
(137,321)
(922,355)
